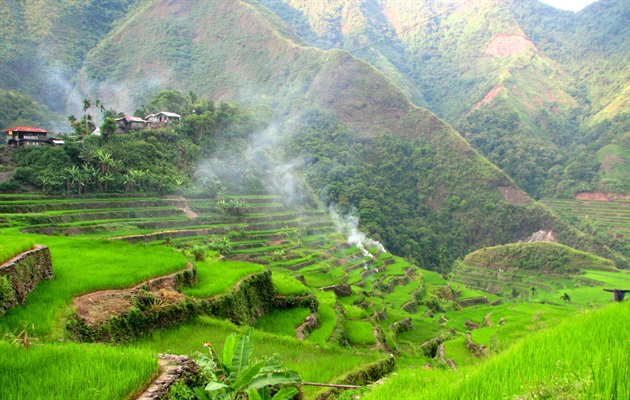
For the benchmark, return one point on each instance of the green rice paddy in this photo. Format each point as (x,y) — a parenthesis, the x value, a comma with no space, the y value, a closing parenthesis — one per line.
(270,237)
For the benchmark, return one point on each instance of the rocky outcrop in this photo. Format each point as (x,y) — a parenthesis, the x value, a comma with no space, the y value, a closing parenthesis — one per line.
(309,325)
(470,325)
(473,301)
(410,306)
(477,350)
(541,236)
(172,369)
(340,290)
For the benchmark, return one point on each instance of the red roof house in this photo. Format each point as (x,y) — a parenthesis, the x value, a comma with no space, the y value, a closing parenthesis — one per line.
(26,136)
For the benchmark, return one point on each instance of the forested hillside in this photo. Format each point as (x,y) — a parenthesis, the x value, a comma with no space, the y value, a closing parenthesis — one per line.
(44,44)
(532,87)
(500,71)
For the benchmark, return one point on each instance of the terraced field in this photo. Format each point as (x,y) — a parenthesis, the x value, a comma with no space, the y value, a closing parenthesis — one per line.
(111,256)
(612,216)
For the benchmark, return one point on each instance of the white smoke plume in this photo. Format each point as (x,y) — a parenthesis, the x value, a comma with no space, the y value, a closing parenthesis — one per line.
(262,161)
(348,225)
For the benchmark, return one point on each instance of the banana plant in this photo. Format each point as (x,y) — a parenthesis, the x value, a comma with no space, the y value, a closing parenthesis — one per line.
(238,377)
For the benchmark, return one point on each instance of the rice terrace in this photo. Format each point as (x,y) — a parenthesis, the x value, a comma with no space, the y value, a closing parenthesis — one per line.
(277,200)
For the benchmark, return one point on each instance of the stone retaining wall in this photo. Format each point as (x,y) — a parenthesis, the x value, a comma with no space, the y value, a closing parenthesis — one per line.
(368,374)
(20,275)
(173,368)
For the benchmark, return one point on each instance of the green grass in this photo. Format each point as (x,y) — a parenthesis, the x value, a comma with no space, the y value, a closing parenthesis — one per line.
(9,248)
(433,278)
(314,362)
(359,332)
(327,317)
(282,322)
(80,266)
(539,256)
(583,357)
(319,279)
(72,371)
(286,284)
(401,295)
(354,312)
(219,276)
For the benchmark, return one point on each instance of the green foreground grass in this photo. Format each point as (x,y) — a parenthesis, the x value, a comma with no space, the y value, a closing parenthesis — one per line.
(218,276)
(13,247)
(73,371)
(584,357)
(314,363)
(83,265)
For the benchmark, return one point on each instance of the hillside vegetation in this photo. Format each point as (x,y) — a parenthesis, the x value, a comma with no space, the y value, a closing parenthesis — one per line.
(297,82)
(580,368)
(380,304)
(520,79)
(541,257)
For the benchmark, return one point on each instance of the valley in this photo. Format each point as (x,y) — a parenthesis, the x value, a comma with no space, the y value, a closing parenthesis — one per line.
(367,306)
(335,199)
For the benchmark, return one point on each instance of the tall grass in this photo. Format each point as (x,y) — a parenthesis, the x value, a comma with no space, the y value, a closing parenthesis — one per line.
(282,322)
(82,265)
(327,317)
(72,371)
(286,284)
(9,248)
(359,332)
(314,363)
(217,277)
(584,357)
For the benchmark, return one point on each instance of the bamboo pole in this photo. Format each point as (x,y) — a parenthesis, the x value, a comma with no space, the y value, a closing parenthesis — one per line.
(332,385)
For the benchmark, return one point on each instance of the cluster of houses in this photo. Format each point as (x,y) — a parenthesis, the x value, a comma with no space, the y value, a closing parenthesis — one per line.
(157,120)
(20,136)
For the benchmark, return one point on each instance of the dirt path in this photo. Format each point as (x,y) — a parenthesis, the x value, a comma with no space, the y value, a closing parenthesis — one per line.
(188,212)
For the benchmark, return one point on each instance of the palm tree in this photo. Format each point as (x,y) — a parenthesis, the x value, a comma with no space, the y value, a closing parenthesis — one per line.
(86,106)
(90,174)
(73,177)
(48,181)
(132,177)
(105,179)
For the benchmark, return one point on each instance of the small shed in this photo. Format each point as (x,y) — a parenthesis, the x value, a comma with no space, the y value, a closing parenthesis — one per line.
(19,136)
(128,123)
(162,118)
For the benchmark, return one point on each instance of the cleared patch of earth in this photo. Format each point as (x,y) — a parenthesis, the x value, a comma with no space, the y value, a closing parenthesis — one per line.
(504,45)
(515,196)
(97,307)
(601,196)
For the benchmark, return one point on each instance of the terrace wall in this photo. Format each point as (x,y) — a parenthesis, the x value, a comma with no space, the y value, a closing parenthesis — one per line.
(368,374)
(253,297)
(20,275)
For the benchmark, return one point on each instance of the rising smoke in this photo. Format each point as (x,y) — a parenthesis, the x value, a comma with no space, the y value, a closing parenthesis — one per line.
(348,225)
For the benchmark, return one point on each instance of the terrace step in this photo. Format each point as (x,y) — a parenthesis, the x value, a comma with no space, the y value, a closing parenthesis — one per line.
(21,207)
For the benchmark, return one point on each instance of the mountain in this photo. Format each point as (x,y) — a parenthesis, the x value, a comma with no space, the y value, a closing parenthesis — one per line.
(521,80)
(354,126)
(43,44)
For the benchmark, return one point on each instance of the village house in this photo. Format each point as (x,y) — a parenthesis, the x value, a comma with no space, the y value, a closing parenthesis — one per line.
(128,123)
(19,136)
(162,118)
